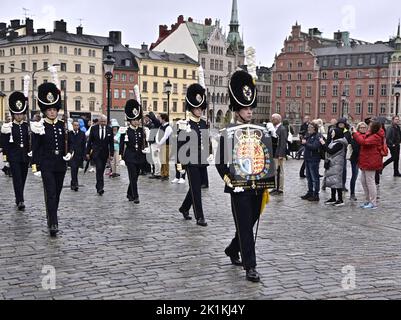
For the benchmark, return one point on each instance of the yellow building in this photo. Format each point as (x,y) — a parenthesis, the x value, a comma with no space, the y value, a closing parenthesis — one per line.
(2,106)
(24,51)
(155,69)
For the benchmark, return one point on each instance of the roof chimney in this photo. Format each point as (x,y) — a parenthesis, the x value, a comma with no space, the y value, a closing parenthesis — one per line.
(163,31)
(41,31)
(190,19)
(80,30)
(29,26)
(144,46)
(180,19)
(15,24)
(60,26)
(115,36)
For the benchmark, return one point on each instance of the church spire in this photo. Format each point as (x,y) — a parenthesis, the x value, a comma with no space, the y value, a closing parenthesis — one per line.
(398,32)
(234,36)
(234,15)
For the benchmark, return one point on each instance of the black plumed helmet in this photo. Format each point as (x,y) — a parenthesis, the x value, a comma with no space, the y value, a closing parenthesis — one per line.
(242,91)
(17,103)
(133,110)
(49,96)
(196,97)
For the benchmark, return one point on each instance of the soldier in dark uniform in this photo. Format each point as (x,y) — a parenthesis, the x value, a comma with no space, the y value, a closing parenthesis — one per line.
(246,204)
(133,147)
(195,139)
(15,141)
(100,147)
(49,151)
(77,143)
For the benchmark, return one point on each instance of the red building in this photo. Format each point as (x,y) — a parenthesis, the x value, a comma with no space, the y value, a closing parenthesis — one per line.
(331,78)
(125,75)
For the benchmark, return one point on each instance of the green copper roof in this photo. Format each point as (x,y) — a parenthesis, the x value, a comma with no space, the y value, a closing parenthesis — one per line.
(199,33)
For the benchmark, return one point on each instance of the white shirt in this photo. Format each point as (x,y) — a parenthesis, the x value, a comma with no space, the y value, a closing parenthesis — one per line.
(102,132)
(167,133)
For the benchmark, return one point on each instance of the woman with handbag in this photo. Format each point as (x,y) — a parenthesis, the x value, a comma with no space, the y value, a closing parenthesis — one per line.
(334,165)
(370,160)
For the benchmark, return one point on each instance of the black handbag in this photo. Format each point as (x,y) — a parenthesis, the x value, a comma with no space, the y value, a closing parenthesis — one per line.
(327,164)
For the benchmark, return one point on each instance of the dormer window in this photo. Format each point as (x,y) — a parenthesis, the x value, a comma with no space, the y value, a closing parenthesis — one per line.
(111,49)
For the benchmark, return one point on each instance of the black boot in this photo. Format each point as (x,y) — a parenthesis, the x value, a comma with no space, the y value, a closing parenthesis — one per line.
(235,260)
(53,230)
(21,206)
(185,214)
(252,275)
(201,222)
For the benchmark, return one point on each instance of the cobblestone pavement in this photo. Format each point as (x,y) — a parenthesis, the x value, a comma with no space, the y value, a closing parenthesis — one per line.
(109,248)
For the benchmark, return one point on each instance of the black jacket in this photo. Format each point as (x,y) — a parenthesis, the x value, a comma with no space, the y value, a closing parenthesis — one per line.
(48,149)
(393,136)
(77,144)
(197,139)
(280,143)
(131,150)
(16,151)
(98,148)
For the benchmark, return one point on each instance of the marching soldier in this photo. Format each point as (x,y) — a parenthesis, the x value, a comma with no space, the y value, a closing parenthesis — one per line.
(15,140)
(133,147)
(77,142)
(245,165)
(194,131)
(48,151)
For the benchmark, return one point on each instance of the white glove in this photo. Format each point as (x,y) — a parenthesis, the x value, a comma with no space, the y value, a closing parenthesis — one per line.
(122,163)
(210,158)
(37,174)
(30,154)
(6,164)
(272,130)
(6,128)
(238,190)
(68,157)
(146,150)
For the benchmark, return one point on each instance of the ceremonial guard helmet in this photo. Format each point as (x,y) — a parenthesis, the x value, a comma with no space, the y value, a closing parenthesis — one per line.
(242,91)
(133,110)
(196,97)
(49,96)
(17,103)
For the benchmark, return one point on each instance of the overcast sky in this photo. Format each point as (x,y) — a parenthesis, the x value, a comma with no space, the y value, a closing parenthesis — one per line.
(265,24)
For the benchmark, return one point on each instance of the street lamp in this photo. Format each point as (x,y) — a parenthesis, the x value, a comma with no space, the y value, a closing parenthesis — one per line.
(343,99)
(108,65)
(32,73)
(167,89)
(397,93)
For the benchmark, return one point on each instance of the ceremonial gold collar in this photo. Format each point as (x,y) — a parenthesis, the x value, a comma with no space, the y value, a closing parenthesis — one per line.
(132,127)
(194,119)
(47,120)
(18,123)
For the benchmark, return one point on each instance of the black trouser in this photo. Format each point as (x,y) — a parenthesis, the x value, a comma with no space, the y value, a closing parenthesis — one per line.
(246,211)
(133,174)
(52,185)
(74,174)
(19,171)
(302,170)
(339,193)
(178,175)
(204,177)
(100,167)
(194,195)
(395,158)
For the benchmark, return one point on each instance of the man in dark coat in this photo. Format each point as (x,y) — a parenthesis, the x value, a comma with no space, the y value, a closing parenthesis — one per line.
(77,141)
(393,137)
(100,148)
